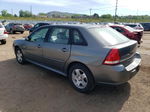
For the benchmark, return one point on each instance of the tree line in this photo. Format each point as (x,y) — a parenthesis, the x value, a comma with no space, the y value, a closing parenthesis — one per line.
(22,13)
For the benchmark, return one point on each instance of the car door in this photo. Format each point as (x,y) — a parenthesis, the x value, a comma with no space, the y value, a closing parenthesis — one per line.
(33,47)
(56,50)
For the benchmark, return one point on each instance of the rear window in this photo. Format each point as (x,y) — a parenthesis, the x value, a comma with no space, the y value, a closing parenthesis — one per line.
(108,36)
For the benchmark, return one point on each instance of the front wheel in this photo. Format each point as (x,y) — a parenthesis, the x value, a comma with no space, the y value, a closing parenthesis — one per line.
(19,56)
(81,78)
(3,41)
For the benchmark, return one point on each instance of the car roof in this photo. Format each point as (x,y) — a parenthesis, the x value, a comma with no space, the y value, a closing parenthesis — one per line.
(87,26)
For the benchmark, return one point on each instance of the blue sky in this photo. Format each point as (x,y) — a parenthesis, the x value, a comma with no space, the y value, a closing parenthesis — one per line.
(125,7)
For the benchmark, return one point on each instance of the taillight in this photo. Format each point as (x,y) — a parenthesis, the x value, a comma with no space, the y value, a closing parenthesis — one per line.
(5,32)
(112,58)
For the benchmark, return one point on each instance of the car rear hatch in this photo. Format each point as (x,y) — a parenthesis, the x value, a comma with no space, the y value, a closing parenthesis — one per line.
(127,52)
(18,27)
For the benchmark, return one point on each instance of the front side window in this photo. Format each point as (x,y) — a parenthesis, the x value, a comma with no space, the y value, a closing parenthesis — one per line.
(39,35)
(59,36)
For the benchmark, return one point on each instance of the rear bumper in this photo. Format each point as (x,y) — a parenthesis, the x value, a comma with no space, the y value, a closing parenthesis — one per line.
(2,37)
(117,74)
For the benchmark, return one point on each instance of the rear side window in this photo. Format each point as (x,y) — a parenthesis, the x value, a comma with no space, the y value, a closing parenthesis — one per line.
(108,36)
(77,38)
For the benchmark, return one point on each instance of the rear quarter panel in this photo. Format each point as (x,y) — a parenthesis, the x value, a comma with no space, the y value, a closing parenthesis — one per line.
(91,55)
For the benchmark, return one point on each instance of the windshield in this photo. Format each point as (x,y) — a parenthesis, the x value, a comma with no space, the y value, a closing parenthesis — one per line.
(108,36)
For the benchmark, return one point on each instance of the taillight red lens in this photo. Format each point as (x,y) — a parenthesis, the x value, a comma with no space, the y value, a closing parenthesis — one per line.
(112,58)
(5,32)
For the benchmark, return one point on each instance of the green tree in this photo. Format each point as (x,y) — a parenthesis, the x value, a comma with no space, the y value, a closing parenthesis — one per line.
(106,16)
(15,15)
(5,13)
(25,13)
(42,14)
(95,15)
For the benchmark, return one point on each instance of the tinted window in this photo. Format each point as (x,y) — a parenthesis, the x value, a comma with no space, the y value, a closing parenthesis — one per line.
(119,29)
(108,36)
(132,25)
(77,38)
(17,24)
(39,35)
(37,25)
(59,36)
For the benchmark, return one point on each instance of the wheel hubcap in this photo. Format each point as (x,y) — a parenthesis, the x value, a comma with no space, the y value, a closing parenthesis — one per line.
(19,56)
(79,78)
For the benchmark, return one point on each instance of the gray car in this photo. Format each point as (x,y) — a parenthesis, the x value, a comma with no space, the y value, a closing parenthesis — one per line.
(86,54)
(15,27)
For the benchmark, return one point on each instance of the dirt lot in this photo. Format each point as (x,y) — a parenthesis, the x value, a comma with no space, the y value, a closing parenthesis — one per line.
(29,88)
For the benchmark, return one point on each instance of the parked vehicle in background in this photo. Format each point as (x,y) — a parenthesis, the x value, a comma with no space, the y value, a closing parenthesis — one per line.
(129,32)
(3,34)
(146,26)
(36,26)
(136,26)
(15,27)
(28,26)
(86,54)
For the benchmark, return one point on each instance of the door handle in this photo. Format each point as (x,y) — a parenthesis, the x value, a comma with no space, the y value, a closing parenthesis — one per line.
(64,50)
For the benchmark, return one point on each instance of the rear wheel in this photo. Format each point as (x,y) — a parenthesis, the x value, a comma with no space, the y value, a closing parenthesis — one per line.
(81,78)
(3,41)
(19,56)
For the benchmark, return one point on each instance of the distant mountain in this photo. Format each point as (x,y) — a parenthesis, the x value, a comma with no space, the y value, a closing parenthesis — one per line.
(62,14)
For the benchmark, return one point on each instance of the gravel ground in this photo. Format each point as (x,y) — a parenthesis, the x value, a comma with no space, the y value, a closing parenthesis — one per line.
(28,88)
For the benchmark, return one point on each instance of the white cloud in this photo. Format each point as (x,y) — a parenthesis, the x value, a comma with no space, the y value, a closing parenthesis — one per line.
(43,2)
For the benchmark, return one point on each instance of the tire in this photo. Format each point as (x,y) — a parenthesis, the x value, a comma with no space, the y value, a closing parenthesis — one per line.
(19,56)
(81,78)
(3,41)
(22,32)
